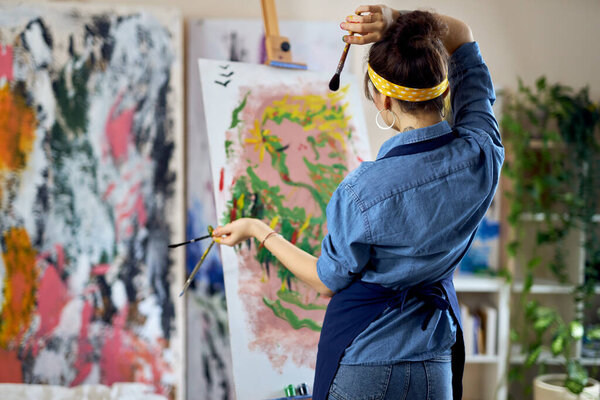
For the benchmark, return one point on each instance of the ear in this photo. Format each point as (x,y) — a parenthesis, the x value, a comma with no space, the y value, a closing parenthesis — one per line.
(379,100)
(387,102)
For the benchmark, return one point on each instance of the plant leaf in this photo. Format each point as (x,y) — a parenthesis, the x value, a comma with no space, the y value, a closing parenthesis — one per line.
(576,330)
(594,334)
(533,356)
(577,377)
(558,345)
(514,335)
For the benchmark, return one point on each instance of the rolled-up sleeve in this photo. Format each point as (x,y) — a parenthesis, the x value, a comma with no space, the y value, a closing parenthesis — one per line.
(472,92)
(345,248)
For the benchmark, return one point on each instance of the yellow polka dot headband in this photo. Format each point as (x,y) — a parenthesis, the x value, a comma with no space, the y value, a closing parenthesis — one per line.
(404,93)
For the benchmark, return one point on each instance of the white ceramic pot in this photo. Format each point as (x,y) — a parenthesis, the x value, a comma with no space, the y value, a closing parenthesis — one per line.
(549,387)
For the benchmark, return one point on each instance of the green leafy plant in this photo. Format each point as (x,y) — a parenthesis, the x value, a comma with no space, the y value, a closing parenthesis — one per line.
(551,135)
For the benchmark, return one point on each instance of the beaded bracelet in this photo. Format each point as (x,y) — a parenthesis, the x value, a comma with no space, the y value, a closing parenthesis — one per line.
(265,239)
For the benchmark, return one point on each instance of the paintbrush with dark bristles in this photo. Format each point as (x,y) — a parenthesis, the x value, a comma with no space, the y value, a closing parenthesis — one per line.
(172,246)
(334,83)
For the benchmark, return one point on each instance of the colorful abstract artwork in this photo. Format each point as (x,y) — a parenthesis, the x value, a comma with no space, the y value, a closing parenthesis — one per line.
(208,353)
(483,256)
(90,196)
(280,144)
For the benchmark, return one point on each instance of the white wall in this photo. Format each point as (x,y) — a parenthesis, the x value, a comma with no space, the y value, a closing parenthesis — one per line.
(526,38)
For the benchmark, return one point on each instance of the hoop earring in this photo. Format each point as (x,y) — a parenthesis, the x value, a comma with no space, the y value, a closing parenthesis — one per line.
(381,125)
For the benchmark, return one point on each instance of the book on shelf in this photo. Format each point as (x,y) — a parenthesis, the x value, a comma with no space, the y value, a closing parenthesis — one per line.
(467,325)
(479,329)
(490,316)
(477,334)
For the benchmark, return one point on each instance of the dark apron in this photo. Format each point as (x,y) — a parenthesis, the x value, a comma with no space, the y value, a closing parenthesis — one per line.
(352,309)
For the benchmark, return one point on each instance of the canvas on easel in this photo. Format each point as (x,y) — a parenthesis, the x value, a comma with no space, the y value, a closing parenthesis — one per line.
(315,43)
(280,143)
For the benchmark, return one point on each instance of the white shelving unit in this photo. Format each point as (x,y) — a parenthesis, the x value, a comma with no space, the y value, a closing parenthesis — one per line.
(547,290)
(484,377)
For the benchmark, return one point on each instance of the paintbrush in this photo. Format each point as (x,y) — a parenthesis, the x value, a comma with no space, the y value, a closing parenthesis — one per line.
(196,268)
(199,263)
(334,83)
(172,246)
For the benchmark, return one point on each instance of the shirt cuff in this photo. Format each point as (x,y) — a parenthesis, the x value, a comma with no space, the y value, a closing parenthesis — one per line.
(327,270)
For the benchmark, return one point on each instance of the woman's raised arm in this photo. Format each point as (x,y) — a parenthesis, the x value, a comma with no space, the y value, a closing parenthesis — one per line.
(372,26)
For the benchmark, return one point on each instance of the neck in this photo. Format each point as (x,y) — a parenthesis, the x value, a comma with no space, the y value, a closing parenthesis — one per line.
(407,122)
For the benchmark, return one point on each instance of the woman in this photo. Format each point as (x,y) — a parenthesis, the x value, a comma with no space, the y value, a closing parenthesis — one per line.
(399,225)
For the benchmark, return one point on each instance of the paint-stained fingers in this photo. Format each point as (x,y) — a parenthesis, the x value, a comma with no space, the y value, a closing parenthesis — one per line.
(369,9)
(222,230)
(225,235)
(378,26)
(230,240)
(371,37)
(234,232)
(364,19)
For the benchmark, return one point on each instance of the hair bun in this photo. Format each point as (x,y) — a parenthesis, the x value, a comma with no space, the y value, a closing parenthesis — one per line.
(412,54)
(416,30)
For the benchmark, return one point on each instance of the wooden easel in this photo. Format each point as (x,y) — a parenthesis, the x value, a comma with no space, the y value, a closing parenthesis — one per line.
(279,52)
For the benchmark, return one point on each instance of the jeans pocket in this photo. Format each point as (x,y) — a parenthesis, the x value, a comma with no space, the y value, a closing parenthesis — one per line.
(438,380)
(360,382)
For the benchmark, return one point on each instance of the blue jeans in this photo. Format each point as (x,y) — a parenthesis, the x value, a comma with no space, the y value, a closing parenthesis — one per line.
(421,380)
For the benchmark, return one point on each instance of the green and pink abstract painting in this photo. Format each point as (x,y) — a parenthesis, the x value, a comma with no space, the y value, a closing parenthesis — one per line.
(280,143)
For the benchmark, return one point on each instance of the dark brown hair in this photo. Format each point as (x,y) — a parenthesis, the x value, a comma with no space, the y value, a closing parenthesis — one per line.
(412,54)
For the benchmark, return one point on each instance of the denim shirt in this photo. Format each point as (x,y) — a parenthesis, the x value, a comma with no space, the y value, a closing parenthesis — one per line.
(408,220)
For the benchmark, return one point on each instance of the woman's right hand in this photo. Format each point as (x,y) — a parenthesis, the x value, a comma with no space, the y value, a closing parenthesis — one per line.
(370,27)
(235,232)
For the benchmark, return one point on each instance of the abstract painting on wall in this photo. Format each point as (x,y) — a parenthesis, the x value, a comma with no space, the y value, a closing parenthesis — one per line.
(280,144)
(90,195)
(483,256)
(316,43)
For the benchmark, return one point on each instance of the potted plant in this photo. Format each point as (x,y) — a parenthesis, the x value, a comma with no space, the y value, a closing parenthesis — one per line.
(551,133)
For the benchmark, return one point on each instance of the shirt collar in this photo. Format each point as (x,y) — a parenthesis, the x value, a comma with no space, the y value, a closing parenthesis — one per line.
(414,136)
